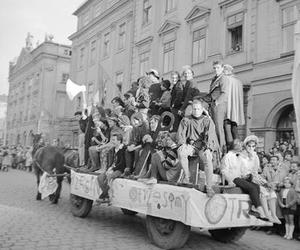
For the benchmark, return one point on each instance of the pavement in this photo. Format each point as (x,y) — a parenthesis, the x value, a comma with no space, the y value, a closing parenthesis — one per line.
(36,225)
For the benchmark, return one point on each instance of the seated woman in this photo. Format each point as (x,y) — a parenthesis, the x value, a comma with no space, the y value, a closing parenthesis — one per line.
(140,129)
(164,103)
(268,196)
(237,173)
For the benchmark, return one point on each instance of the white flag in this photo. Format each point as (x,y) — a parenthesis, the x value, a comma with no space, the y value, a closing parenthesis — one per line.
(74,89)
(296,82)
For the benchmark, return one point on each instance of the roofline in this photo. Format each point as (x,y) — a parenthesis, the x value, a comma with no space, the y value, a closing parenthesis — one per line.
(81,6)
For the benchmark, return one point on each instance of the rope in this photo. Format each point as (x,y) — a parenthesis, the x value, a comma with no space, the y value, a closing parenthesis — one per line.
(50,175)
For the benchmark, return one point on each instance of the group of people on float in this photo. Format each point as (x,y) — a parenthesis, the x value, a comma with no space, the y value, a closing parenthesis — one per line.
(198,128)
(121,141)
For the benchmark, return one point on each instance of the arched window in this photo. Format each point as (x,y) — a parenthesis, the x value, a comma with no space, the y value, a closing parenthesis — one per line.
(285,131)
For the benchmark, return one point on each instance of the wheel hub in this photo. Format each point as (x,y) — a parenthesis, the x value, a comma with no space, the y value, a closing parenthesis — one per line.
(164,226)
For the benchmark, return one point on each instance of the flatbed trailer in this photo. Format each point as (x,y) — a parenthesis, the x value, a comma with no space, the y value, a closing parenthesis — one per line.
(170,210)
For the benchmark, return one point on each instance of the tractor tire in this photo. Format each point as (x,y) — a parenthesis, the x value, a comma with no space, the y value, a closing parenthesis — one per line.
(128,212)
(167,234)
(227,235)
(80,207)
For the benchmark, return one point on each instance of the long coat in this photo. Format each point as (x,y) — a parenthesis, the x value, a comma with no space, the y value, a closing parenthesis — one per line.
(235,105)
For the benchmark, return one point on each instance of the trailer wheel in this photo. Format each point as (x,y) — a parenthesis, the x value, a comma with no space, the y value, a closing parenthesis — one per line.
(227,235)
(128,212)
(167,234)
(80,207)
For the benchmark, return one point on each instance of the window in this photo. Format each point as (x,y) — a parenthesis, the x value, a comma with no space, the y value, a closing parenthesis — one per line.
(90,92)
(66,52)
(60,105)
(289,18)
(75,139)
(122,36)
(119,81)
(81,57)
(93,53)
(85,19)
(99,8)
(106,45)
(169,56)
(37,79)
(146,11)
(144,62)
(235,32)
(64,78)
(199,46)
(170,5)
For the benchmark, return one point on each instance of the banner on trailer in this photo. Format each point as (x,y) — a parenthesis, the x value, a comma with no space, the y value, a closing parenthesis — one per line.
(187,205)
(85,185)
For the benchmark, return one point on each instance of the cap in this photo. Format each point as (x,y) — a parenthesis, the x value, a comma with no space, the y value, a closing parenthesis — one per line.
(154,72)
(251,138)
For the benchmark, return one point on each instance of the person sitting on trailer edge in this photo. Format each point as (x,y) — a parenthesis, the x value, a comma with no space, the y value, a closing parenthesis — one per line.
(116,163)
(196,135)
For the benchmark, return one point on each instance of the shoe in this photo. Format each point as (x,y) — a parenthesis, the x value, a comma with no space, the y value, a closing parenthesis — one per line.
(257,215)
(275,220)
(269,232)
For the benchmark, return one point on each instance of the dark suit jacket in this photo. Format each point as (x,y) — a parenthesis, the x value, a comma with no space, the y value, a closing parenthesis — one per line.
(177,96)
(118,159)
(218,90)
(187,94)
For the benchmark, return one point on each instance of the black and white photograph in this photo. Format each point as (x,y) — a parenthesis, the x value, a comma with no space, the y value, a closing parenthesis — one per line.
(150,124)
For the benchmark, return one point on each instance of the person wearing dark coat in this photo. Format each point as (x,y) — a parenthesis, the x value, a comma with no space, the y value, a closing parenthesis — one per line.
(155,92)
(176,98)
(187,91)
(116,164)
(89,132)
(218,100)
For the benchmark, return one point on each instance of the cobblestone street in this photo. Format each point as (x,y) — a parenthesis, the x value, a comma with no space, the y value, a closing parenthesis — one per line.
(29,224)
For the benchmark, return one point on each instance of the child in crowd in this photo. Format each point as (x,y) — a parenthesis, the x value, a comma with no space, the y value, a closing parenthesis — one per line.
(6,162)
(287,200)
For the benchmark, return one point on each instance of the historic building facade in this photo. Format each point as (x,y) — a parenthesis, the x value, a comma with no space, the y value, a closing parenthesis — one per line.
(37,99)
(254,36)
(102,48)
(3,107)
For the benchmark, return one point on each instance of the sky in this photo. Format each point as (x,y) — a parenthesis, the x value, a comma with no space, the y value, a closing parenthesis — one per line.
(17,17)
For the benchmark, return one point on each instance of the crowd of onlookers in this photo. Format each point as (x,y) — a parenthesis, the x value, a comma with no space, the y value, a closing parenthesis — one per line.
(281,168)
(16,157)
